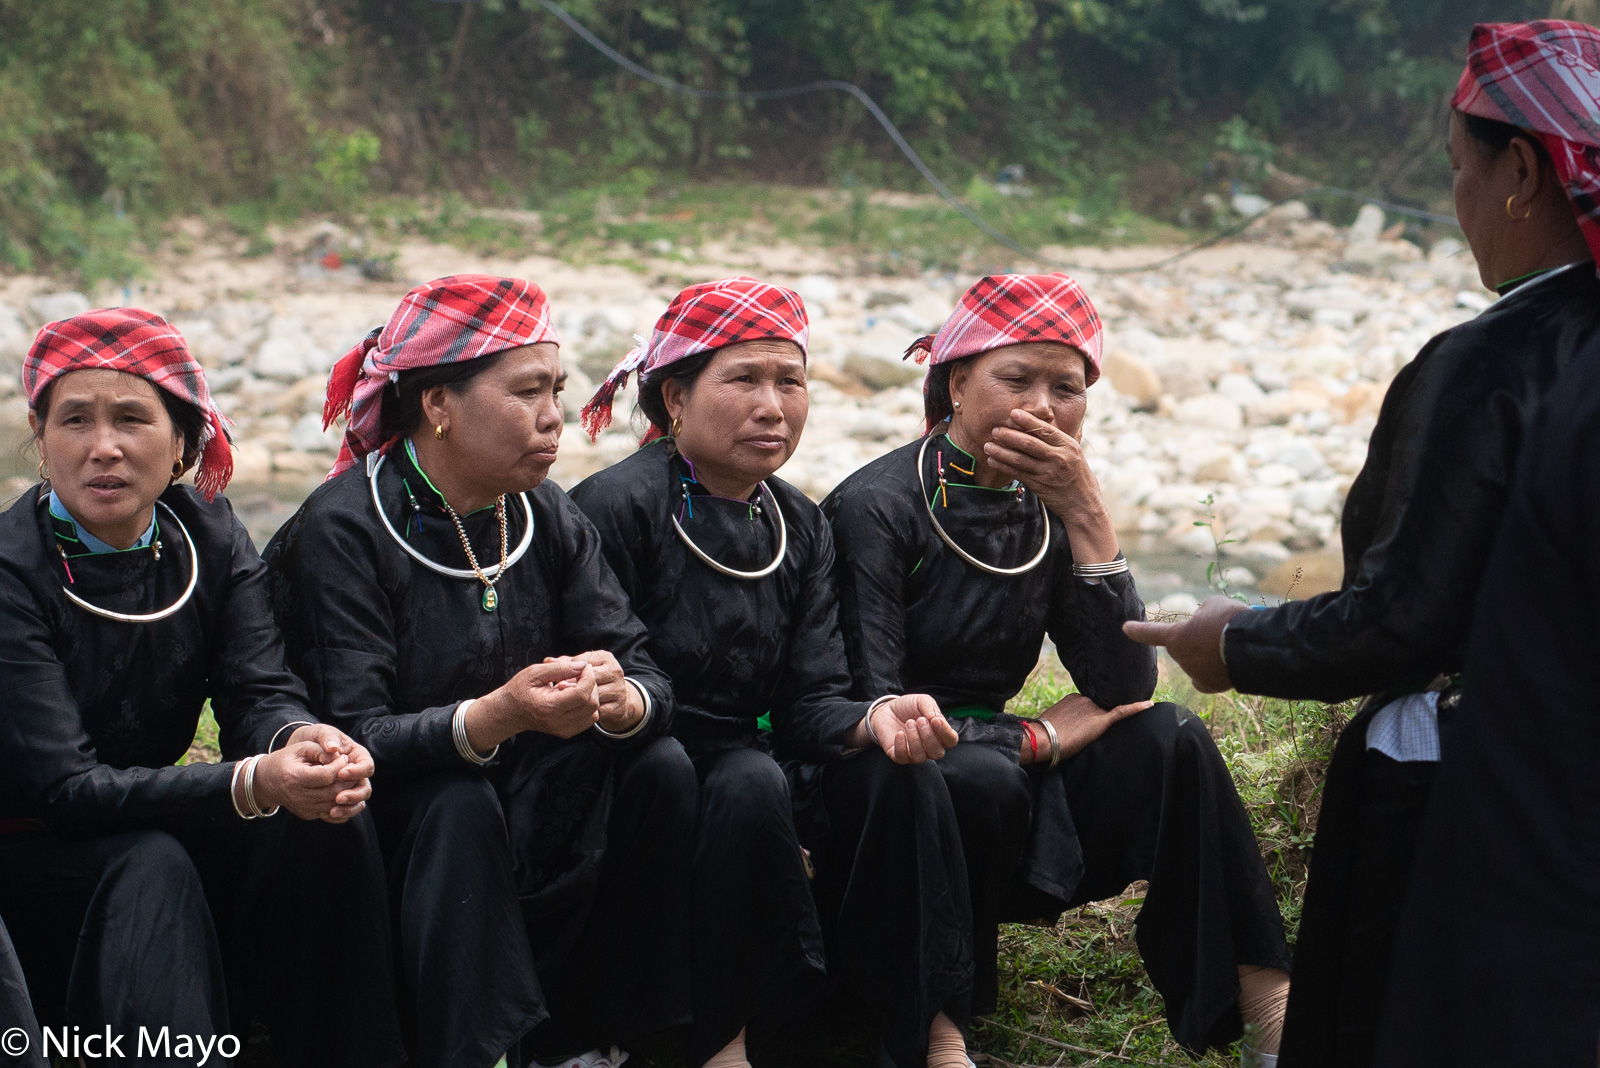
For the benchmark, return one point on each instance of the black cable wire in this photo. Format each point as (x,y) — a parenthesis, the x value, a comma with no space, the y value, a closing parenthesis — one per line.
(971,215)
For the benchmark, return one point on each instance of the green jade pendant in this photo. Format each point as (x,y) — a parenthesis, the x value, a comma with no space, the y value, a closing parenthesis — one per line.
(491,600)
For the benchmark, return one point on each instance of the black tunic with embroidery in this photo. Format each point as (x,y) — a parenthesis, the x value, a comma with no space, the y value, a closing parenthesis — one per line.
(737,648)
(98,712)
(388,648)
(135,893)
(1151,799)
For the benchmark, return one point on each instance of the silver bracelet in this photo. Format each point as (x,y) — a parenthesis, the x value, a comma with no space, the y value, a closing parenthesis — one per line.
(1115,566)
(233,788)
(286,726)
(250,791)
(866,720)
(644,697)
(1055,740)
(458,732)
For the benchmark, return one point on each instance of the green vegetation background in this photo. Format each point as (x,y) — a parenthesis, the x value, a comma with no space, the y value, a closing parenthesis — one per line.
(114,114)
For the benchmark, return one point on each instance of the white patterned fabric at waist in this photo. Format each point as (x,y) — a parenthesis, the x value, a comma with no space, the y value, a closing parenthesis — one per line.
(1407,728)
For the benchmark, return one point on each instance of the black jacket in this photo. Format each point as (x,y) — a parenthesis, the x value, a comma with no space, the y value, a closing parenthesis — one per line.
(388,648)
(96,711)
(735,648)
(1420,516)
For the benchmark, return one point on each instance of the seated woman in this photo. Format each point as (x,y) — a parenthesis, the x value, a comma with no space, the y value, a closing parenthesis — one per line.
(451,609)
(140,892)
(1421,516)
(731,570)
(958,554)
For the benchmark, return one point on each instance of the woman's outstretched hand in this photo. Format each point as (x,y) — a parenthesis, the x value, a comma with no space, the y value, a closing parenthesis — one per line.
(320,774)
(1079,722)
(910,729)
(1195,643)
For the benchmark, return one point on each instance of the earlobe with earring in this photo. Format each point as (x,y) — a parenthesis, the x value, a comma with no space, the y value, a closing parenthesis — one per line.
(44,476)
(1515,217)
(955,405)
(439,431)
(177,469)
(676,427)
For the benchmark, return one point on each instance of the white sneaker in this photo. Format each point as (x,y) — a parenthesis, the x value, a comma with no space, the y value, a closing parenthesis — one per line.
(613,1058)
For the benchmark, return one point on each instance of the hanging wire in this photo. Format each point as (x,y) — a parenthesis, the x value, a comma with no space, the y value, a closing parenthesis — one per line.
(944,191)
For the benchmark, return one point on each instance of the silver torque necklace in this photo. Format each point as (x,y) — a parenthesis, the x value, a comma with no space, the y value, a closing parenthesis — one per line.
(375,464)
(1038,557)
(783,542)
(148,617)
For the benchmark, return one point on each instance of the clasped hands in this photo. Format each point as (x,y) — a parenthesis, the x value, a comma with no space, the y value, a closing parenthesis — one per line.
(319,774)
(563,696)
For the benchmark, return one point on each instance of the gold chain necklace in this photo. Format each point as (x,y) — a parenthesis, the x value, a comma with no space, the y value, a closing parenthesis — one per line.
(491,600)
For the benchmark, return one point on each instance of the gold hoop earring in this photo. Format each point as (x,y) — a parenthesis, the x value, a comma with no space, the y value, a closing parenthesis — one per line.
(676,427)
(439,431)
(177,469)
(1517,218)
(44,476)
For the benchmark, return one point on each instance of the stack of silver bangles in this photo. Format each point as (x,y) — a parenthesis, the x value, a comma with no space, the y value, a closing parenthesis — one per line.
(458,731)
(1115,566)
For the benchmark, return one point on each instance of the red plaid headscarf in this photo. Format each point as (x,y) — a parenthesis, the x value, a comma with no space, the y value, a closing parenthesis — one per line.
(1008,309)
(1543,76)
(139,343)
(701,318)
(461,317)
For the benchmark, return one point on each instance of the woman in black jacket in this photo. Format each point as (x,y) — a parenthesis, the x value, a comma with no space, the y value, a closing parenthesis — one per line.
(142,892)
(1417,527)
(450,607)
(732,571)
(958,554)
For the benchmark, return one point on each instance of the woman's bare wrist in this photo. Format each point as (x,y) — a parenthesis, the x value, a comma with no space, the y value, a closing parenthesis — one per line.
(485,722)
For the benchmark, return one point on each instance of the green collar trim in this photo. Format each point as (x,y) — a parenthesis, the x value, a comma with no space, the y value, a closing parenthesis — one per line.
(1015,485)
(411,454)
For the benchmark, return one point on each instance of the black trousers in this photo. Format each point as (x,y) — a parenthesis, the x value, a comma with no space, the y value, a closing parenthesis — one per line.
(756,942)
(466,984)
(1151,799)
(1366,845)
(614,961)
(16,1012)
(892,889)
(202,930)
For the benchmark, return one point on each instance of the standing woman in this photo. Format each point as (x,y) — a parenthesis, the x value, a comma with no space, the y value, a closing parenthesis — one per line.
(451,608)
(731,570)
(1420,517)
(958,554)
(140,892)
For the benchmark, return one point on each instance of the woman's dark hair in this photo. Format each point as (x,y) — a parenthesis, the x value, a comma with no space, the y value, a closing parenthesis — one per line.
(402,399)
(683,372)
(1495,136)
(936,393)
(190,421)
